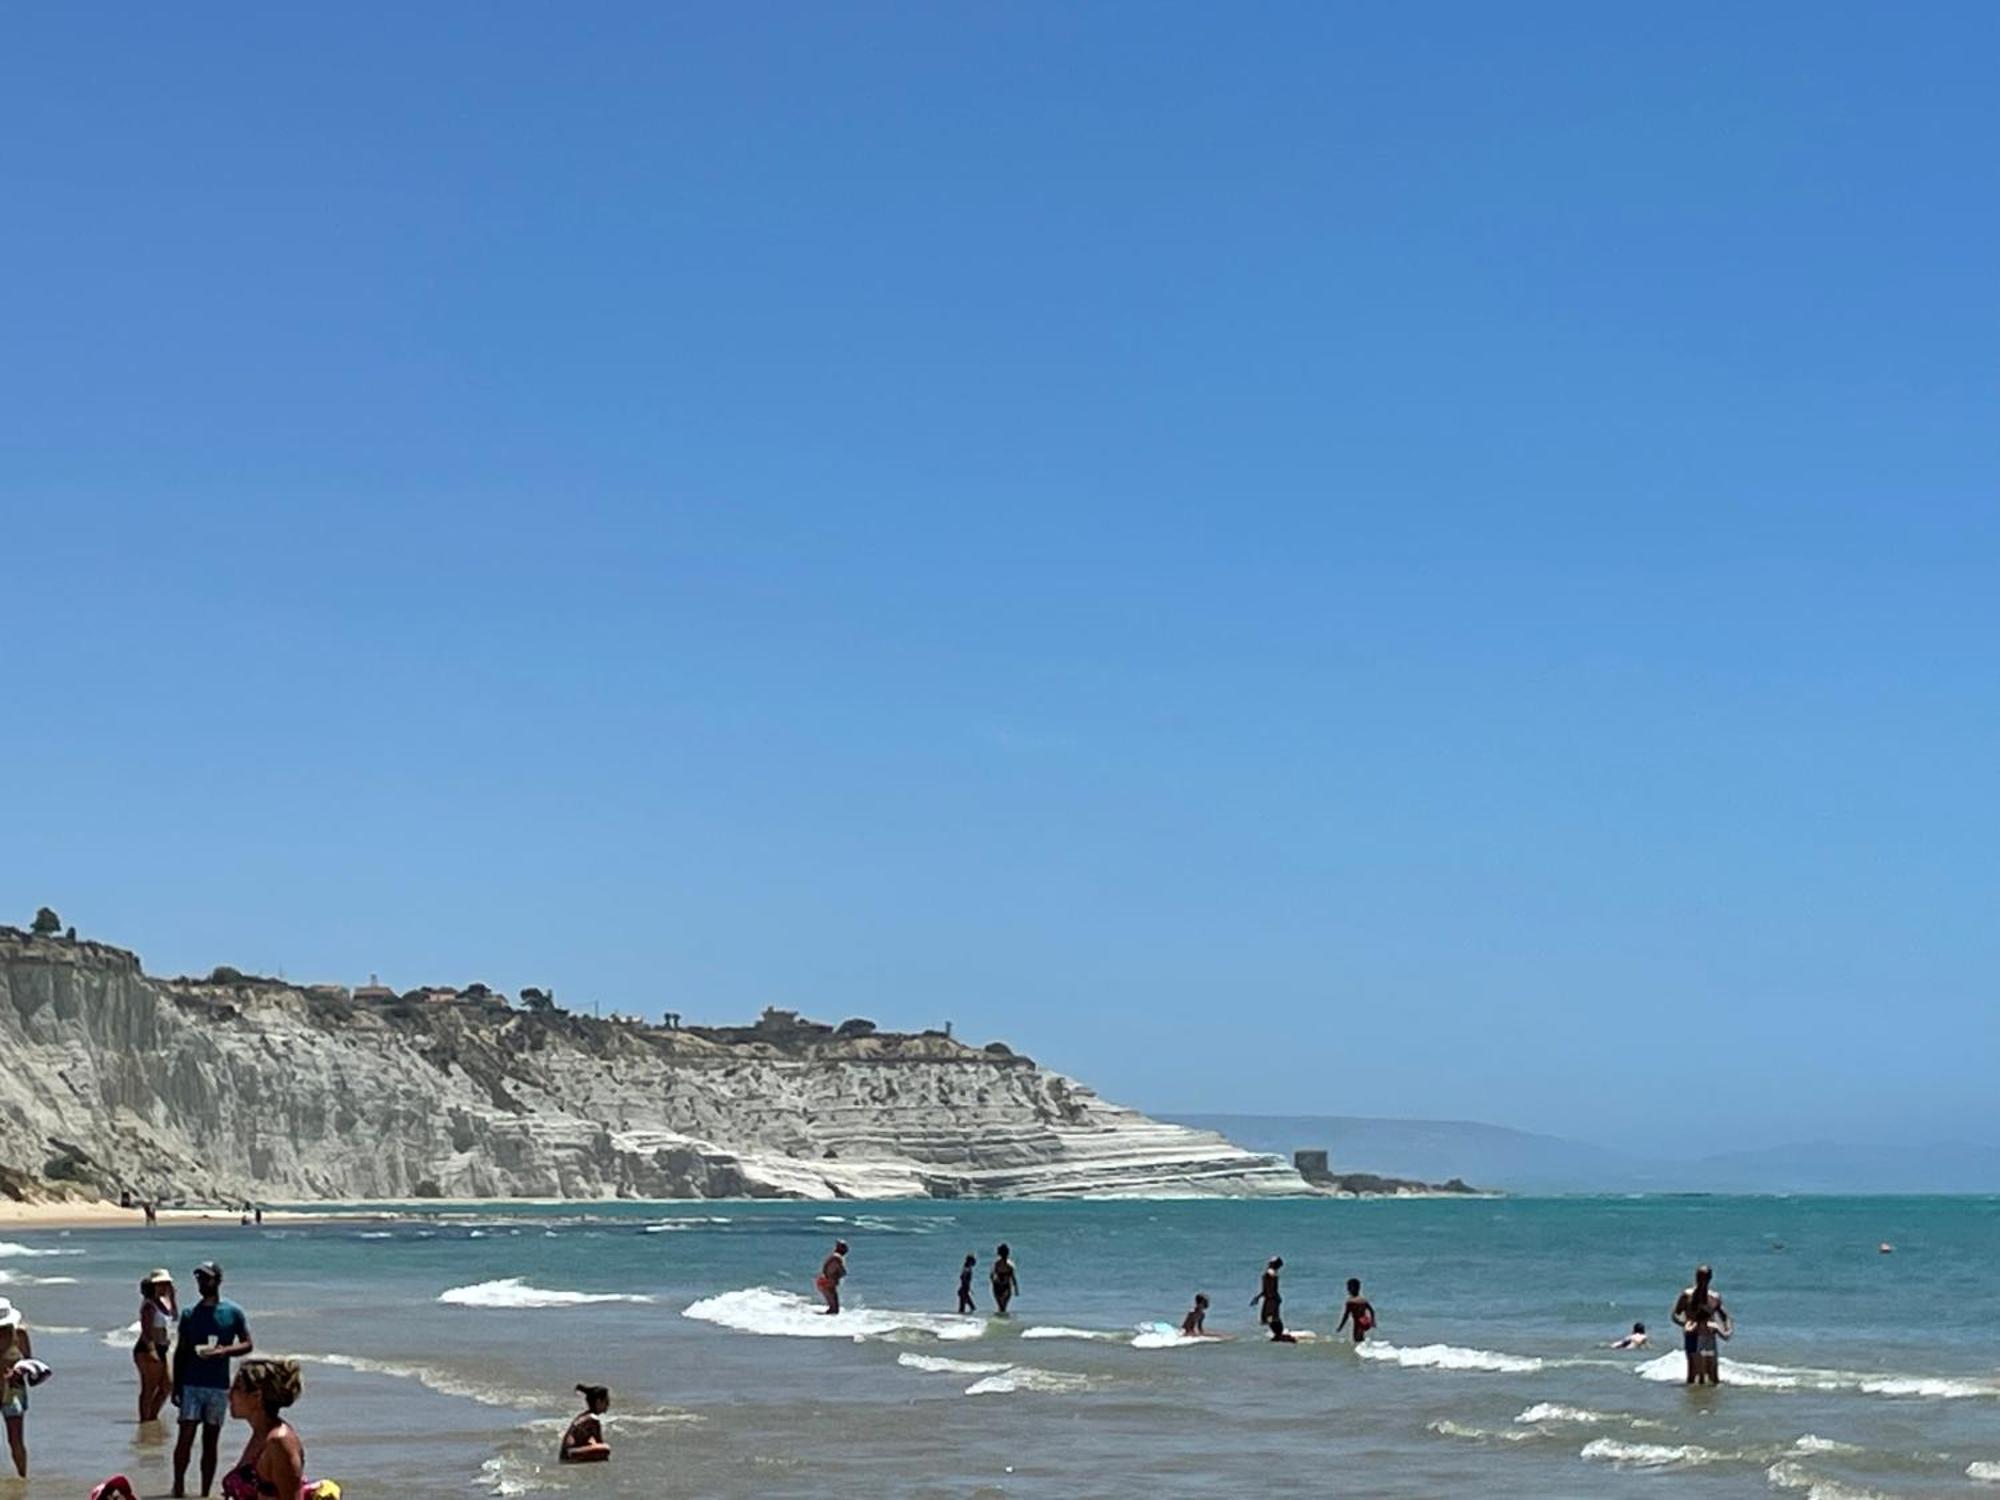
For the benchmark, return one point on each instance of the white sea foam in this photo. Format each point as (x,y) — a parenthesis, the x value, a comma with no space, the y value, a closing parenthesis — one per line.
(1549,1411)
(513,1293)
(937,1364)
(1056,1331)
(1166,1336)
(1671,1369)
(1449,1357)
(766,1310)
(1027,1378)
(377,1234)
(1649,1455)
(509,1474)
(683,1224)
(1788,1474)
(118,1338)
(1448,1428)
(10,1250)
(22,1278)
(442,1381)
(1812,1442)
(1984,1471)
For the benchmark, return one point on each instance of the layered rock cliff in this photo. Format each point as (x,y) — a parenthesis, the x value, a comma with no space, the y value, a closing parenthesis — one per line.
(113,1080)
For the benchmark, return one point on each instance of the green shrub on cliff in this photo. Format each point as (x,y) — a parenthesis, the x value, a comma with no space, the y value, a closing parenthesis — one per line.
(47,923)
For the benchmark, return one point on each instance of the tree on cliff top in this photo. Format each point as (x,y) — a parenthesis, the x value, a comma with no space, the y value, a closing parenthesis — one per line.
(47,923)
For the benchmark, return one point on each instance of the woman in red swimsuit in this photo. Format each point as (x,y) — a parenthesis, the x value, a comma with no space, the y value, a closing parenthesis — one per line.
(274,1460)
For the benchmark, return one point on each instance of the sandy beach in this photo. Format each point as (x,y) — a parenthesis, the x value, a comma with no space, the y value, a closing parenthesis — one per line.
(84,1214)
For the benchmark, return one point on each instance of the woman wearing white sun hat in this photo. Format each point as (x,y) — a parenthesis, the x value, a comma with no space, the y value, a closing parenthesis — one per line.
(15,1347)
(159,1310)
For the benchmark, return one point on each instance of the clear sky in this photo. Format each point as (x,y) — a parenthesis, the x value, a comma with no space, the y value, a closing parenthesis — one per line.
(1433,560)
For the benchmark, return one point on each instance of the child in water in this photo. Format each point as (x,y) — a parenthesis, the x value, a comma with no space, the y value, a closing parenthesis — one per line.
(965,1302)
(1195,1324)
(584,1442)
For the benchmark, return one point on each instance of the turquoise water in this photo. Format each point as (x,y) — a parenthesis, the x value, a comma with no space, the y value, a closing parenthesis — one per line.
(443,1351)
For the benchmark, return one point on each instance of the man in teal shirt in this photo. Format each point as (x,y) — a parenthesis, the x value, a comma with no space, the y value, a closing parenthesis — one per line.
(212,1333)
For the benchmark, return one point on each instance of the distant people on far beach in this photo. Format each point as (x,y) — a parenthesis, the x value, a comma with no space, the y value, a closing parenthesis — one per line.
(583,1441)
(833,1271)
(965,1302)
(1359,1313)
(159,1310)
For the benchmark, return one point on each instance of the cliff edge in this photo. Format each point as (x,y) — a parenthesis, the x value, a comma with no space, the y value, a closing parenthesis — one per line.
(235,1087)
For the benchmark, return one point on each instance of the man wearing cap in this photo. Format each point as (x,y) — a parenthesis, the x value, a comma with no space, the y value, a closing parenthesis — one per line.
(212,1333)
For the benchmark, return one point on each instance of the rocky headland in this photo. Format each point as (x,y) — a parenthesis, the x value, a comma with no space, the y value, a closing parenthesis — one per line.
(234,1087)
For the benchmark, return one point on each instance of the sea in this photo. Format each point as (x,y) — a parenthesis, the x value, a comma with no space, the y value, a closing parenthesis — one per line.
(441,1348)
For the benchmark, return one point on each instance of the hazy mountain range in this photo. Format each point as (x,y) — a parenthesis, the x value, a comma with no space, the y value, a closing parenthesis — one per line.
(1492,1156)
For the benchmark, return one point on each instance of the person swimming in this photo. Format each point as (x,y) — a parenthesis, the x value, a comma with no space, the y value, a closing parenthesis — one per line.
(1268,1298)
(1195,1324)
(965,1302)
(583,1442)
(1004,1280)
(1359,1313)
(832,1271)
(1636,1339)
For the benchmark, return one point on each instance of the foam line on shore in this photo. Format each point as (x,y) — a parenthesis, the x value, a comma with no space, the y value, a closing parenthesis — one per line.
(1671,1369)
(512,1293)
(1449,1357)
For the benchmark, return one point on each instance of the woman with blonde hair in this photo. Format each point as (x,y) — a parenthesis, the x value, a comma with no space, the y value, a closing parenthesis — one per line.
(274,1460)
(159,1311)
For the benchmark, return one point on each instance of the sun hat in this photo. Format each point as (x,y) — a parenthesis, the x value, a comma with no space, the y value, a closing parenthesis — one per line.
(10,1315)
(154,1278)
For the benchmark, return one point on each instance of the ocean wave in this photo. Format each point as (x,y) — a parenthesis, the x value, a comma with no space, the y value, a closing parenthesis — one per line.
(1789,1475)
(1166,1336)
(118,1338)
(442,1381)
(1984,1471)
(683,1224)
(512,1293)
(1813,1443)
(1027,1378)
(937,1364)
(23,1278)
(376,1234)
(509,1474)
(1649,1455)
(1057,1331)
(1549,1411)
(1449,1357)
(1671,1369)
(766,1310)
(10,1249)
(1448,1428)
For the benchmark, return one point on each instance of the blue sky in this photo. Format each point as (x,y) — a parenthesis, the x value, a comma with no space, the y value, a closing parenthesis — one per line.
(1427,561)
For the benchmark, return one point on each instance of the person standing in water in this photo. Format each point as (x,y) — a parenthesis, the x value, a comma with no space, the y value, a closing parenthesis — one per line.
(1267,1299)
(1359,1312)
(212,1333)
(1195,1324)
(159,1310)
(965,1302)
(1701,1316)
(584,1442)
(1004,1280)
(16,1350)
(833,1271)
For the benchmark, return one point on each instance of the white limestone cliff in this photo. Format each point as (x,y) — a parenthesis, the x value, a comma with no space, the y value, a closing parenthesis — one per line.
(111,1079)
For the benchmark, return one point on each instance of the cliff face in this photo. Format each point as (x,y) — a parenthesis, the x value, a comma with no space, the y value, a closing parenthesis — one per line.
(112,1079)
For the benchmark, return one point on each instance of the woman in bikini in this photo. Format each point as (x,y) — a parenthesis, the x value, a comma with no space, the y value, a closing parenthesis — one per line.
(584,1442)
(273,1466)
(1005,1282)
(159,1311)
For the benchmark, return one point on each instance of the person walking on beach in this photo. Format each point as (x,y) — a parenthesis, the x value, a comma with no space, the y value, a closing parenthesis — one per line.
(1359,1313)
(274,1460)
(1267,1299)
(965,1302)
(584,1442)
(832,1271)
(212,1333)
(1701,1316)
(1005,1282)
(159,1310)
(16,1350)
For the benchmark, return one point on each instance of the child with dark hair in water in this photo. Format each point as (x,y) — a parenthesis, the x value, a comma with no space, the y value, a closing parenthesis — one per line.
(965,1302)
(584,1442)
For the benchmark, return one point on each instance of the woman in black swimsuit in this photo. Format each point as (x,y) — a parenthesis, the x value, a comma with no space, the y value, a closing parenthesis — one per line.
(1005,1282)
(584,1442)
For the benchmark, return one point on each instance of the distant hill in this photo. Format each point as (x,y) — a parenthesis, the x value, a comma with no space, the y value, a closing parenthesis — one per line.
(1493,1156)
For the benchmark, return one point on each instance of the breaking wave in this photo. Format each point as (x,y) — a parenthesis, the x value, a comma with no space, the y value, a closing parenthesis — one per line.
(442,1381)
(1450,1357)
(1788,1475)
(766,1310)
(1984,1471)
(513,1292)
(1055,1331)
(10,1249)
(1649,1455)
(1672,1370)
(1025,1378)
(937,1364)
